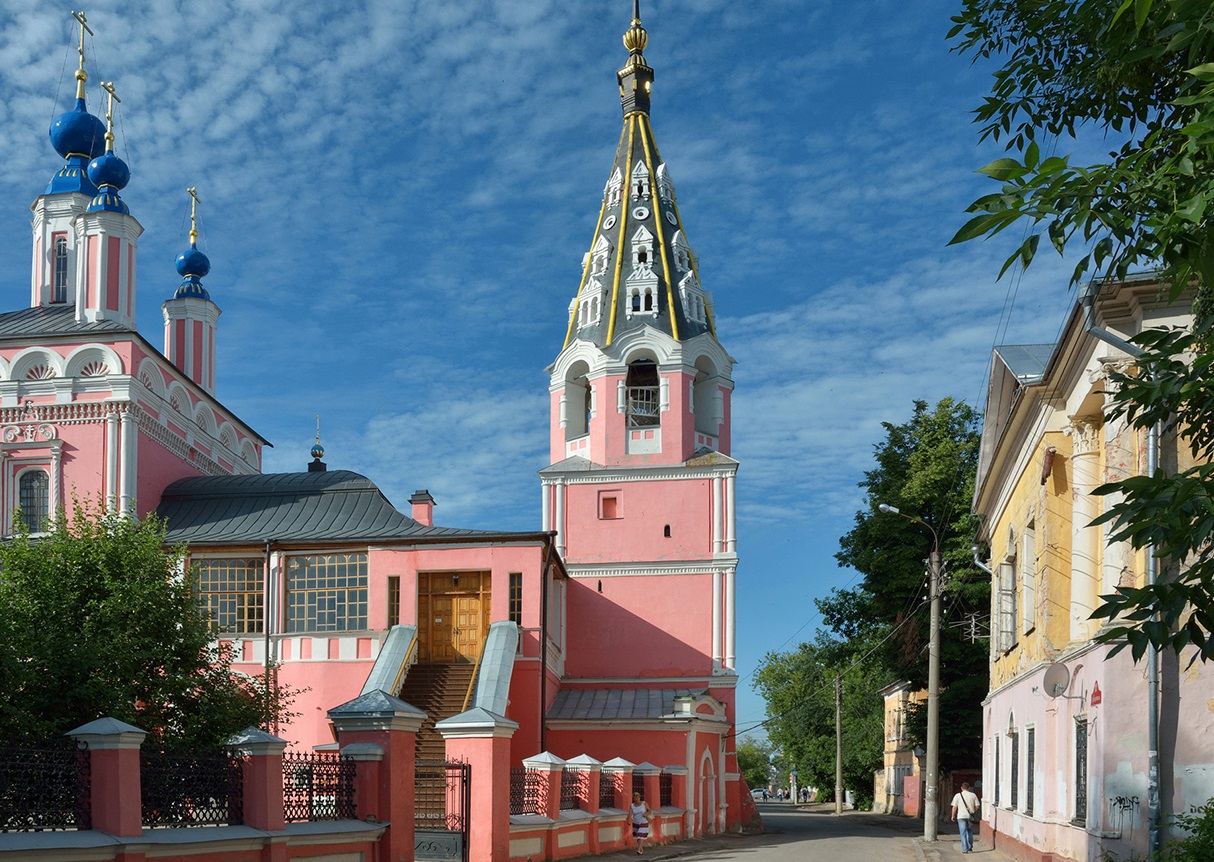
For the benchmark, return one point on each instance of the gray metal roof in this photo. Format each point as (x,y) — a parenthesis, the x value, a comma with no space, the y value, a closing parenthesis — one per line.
(51,320)
(1026,361)
(318,506)
(607,703)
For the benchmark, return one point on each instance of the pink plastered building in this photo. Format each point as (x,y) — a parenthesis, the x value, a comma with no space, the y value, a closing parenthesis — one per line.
(605,637)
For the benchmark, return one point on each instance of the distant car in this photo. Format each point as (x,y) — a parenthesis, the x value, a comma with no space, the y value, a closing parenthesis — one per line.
(759,795)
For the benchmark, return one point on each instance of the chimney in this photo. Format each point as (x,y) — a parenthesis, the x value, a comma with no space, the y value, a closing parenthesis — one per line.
(423,507)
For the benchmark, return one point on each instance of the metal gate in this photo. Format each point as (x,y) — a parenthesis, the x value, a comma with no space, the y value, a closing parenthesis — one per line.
(442,809)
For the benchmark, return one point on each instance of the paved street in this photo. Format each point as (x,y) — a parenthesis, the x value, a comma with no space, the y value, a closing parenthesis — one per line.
(813,832)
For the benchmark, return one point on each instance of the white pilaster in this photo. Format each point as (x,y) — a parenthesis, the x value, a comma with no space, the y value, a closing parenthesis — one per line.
(111,461)
(716,620)
(126,485)
(730,617)
(1085,475)
(718,509)
(731,535)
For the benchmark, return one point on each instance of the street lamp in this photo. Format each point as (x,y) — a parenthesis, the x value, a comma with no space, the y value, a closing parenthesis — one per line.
(931,801)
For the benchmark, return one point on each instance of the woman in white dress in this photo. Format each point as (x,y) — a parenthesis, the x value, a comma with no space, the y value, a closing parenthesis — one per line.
(640,812)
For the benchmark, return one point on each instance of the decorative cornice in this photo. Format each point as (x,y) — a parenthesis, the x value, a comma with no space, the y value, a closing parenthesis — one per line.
(714,566)
(1085,431)
(553,476)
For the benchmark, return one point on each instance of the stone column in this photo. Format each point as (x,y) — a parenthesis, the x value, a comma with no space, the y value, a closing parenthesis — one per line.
(379,718)
(1085,476)
(590,772)
(619,772)
(262,778)
(116,795)
(652,776)
(482,739)
(550,767)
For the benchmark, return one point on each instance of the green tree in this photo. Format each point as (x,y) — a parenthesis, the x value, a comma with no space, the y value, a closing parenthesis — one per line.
(96,619)
(1135,74)
(925,467)
(754,761)
(799,688)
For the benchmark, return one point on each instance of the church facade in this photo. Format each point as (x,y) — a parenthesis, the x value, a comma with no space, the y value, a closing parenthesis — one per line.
(606,634)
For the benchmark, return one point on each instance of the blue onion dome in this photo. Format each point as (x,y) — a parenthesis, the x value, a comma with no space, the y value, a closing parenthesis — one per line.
(109,173)
(78,132)
(193,262)
(318,451)
(109,170)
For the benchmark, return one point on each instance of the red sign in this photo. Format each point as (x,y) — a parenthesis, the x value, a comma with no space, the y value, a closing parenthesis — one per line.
(1095,694)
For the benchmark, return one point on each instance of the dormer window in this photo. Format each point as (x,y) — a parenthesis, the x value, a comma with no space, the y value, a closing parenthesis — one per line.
(601,257)
(640,181)
(615,188)
(682,252)
(59,269)
(665,185)
(590,306)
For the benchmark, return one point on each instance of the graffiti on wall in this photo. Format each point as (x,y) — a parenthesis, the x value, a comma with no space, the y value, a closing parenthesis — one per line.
(1123,814)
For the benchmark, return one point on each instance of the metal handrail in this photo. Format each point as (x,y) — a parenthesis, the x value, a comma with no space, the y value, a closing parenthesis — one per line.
(476,671)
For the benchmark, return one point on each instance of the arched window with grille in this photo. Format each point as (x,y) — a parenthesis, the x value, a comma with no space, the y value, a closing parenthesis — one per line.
(34,500)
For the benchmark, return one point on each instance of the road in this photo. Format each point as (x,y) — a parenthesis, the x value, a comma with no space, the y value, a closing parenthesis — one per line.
(799,833)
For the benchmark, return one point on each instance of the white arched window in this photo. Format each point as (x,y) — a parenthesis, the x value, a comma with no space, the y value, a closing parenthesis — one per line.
(34,500)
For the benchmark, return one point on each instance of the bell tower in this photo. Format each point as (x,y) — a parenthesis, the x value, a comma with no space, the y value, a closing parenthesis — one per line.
(641,486)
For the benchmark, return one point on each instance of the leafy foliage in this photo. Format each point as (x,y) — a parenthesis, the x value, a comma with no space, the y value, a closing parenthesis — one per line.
(1198,844)
(96,620)
(925,467)
(754,761)
(1135,73)
(799,686)
(878,630)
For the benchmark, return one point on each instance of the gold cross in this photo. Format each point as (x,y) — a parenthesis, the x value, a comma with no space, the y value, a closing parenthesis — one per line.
(81,75)
(108,86)
(194,202)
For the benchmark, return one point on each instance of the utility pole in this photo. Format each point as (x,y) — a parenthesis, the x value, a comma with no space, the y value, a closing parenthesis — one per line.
(931,799)
(838,744)
(931,795)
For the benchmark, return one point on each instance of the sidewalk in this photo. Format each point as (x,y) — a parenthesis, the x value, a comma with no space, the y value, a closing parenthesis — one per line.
(947,848)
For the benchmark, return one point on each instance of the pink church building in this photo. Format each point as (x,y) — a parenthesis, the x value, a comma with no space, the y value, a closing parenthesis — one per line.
(604,637)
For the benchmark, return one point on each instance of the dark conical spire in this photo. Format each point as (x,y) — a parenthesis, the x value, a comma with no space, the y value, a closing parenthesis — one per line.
(636,78)
(640,270)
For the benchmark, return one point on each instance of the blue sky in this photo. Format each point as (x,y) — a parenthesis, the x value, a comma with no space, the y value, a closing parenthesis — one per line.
(397,198)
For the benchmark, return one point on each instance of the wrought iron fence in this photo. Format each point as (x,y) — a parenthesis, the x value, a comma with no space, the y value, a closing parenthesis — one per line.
(317,785)
(191,786)
(572,782)
(525,791)
(638,784)
(442,807)
(44,785)
(665,790)
(440,798)
(607,790)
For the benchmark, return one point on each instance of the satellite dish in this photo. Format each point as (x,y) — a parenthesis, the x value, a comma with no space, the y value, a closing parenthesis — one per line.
(1057,678)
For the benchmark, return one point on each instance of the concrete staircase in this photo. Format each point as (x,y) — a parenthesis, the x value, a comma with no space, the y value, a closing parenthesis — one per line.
(439,690)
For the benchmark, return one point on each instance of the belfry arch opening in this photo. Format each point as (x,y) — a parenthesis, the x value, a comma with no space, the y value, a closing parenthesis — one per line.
(705,398)
(578,401)
(643,389)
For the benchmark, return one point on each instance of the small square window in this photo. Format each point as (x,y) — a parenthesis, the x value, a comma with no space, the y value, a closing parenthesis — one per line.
(609,505)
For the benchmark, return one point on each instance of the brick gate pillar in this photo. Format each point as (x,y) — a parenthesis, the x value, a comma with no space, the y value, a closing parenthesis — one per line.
(116,795)
(481,739)
(381,719)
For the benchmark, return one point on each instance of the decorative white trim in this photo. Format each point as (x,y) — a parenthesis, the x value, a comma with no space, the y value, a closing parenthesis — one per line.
(704,568)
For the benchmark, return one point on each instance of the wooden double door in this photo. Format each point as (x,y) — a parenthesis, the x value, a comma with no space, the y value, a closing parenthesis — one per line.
(452,615)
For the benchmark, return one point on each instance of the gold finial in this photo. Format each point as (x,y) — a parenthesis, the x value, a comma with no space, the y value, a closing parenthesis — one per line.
(81,75)
(194,202)
(317,429)
(108,86)
(635,39)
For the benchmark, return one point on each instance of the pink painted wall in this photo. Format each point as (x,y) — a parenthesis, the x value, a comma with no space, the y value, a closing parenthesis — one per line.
(640,626)
(113,259)
(644,509)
